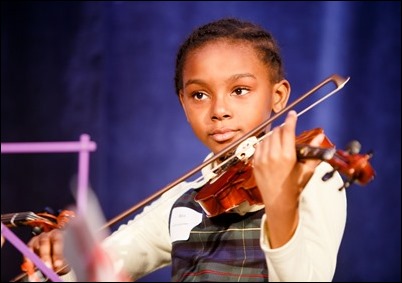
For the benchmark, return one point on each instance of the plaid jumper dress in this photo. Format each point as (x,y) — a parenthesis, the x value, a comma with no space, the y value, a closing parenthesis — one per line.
(221,248)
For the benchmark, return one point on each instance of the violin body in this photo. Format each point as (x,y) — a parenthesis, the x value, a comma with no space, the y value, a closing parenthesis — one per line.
(229,190)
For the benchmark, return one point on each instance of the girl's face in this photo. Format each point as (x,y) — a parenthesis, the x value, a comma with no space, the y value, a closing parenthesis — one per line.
(227,92)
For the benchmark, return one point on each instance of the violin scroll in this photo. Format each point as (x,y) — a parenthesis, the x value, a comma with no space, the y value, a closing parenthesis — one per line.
(354,166)
(350,163)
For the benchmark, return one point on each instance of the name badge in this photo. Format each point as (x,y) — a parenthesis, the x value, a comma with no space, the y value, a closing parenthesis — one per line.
(183,220)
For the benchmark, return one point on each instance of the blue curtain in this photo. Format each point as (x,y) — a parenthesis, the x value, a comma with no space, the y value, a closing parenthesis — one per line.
(106,68)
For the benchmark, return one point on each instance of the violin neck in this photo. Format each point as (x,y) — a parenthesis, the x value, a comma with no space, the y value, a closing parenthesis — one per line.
(311,152)
(18,219)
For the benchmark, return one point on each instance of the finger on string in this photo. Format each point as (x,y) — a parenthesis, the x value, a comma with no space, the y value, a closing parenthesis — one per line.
(44,249)
(56,239)
(289,129)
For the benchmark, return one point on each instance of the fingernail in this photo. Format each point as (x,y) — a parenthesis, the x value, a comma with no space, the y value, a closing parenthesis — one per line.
(48,264)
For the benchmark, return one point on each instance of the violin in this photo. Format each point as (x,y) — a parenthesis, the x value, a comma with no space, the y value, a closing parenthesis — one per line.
(40,222)
(237,184)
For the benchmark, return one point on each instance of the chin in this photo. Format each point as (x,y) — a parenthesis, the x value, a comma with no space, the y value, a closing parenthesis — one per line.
(218,148)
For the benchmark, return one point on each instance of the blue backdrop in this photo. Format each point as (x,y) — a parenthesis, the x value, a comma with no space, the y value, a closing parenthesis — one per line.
(106,69)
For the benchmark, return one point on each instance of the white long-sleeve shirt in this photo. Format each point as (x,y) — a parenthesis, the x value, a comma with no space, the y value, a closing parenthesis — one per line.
(144,244)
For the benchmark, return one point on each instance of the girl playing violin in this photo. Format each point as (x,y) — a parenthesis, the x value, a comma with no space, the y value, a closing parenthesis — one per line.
(229,79)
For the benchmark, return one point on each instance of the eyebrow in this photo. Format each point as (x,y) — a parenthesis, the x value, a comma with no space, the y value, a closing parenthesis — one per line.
(230,79)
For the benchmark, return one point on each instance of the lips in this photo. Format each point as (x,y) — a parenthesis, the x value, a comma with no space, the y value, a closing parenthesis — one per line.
(222,135)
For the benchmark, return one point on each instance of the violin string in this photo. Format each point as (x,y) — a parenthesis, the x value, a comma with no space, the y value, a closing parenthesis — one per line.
(13,219)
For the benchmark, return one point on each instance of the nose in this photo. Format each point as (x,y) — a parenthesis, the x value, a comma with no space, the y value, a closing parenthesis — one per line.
(220,109)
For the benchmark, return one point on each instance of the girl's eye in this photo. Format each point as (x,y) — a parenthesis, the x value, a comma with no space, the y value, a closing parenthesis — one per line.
(240,91)
(199,95)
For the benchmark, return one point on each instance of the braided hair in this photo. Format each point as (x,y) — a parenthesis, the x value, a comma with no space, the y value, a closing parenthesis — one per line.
(237,31)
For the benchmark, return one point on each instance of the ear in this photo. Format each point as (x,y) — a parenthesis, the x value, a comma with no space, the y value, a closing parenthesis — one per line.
(182,103)
(281,95)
